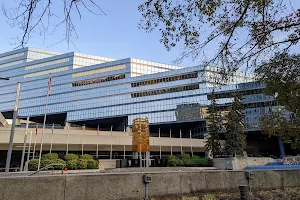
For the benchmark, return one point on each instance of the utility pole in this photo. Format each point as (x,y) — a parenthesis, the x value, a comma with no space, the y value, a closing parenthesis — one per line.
(12,131)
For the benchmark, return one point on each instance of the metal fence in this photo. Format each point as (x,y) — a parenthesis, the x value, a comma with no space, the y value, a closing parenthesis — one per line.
(47,126)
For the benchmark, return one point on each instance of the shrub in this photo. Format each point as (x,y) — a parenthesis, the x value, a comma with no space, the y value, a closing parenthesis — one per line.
(72,164)
(180,162)
(71,156)
(209,197)
(33,164)
(82,164)
(173,161)
(50,156)
(92,164)
(199,162)
(44,162)
(209,162)
(186,159)
(57,161)
(86,157)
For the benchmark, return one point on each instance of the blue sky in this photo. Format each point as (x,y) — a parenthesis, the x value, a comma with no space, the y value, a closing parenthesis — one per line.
(115,35)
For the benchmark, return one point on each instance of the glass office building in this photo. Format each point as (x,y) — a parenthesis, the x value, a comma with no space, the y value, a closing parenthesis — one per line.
(94,90)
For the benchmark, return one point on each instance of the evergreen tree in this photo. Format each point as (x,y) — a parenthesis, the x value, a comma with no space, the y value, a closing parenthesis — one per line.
(213,119)
(235,140)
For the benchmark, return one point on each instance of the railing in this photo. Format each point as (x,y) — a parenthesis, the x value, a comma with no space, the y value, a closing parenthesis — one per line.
(47,167)
(293,160)
(47,126)
(12,169)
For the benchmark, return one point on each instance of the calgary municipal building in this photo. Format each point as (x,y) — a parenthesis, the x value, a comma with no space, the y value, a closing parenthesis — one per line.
(93,101)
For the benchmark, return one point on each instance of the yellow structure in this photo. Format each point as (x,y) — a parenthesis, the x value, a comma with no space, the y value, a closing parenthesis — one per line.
(140,135)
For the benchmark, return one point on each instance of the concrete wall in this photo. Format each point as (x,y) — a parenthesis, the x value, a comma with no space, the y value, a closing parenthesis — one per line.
(240,163)
(130,186)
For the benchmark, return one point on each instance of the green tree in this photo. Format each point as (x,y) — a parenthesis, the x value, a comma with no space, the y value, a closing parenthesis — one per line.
(238,32)
(283,126)
(235,139)
(281,77)
(213,127)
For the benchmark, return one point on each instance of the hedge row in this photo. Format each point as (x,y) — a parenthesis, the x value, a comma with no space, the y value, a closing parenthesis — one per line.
(188,161)
(72,161)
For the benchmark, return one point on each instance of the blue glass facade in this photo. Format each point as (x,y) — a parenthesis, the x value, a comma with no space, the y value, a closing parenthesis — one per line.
(86,87)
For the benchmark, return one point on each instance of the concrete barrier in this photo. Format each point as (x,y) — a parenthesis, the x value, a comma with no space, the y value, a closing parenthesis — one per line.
(130,185)
(236,163)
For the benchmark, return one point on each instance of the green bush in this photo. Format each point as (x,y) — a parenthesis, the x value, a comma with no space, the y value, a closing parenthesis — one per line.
(199,162)
(174,161)
(33,164)
(71,156)
(50,156)
(180,162)
(59,161)
(92,164)
(86,157)
(82,164)
(209,162)
(186,159)
(44,163)
(72,164)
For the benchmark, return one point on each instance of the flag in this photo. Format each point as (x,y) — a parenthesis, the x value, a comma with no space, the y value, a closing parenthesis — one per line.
(36,130)
(49,85)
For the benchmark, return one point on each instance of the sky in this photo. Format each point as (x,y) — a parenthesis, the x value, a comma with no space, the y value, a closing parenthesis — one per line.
(115,35)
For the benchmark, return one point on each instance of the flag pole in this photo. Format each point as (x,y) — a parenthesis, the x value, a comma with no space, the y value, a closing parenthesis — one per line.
(124,143)
(110,156)
(171,141)
(24,145)
(45,116)
(28,152)
(159,143)
(82,145)
(36,131)
(191,143)
(97,142)
(52,138)
(67,151)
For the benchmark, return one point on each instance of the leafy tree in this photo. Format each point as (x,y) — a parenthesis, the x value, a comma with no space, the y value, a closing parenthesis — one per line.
(239,32)
(282,126)
(281,77)
(235,140)
(213,127)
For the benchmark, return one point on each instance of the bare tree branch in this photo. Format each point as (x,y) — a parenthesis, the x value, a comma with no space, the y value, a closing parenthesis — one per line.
(29,16)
